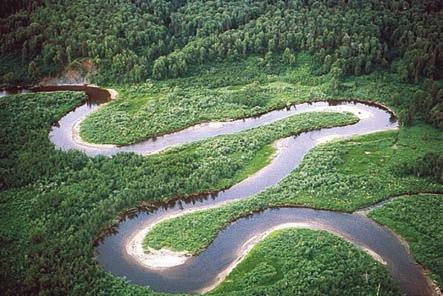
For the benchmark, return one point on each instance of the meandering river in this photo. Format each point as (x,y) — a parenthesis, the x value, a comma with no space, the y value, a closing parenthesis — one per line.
(202,272)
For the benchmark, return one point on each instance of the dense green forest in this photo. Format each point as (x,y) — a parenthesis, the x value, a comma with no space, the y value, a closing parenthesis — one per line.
(176,63)
(131,41)
(54,204)
(135,39)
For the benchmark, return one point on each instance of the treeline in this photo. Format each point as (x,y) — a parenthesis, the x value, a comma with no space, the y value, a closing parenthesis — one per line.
(427,104)
(123,38)
(130,41)
(134,40)
(348,37)
(430,165)
(8,7)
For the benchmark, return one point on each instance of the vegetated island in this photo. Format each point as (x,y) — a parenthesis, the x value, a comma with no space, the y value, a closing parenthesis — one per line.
(177,63)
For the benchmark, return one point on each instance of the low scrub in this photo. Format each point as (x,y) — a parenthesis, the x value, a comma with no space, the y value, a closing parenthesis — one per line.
(418,219)
(307,262)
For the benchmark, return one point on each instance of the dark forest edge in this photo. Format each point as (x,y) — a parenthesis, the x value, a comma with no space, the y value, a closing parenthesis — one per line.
(54,204)
(226,90)
(105,42)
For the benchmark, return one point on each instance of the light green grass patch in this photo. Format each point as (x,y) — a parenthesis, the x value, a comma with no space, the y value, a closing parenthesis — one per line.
(307,262)
(337,176)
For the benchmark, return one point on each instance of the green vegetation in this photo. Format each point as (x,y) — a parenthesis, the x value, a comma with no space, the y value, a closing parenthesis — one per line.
(217,92)
(61,201)
(132,40)
(54,204)
(418,219)
(223,60)
(430,165)
(313,262)
(26,121)
(343,176)
(234,90)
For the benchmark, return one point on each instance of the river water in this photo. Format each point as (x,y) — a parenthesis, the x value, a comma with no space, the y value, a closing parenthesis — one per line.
(203,270)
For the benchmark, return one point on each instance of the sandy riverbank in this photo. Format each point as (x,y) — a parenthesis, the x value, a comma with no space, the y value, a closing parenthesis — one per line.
(163,258)
(113,94)
(251,243)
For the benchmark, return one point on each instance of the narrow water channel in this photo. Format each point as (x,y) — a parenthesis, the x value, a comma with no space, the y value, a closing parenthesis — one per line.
(202,271)
(64,135)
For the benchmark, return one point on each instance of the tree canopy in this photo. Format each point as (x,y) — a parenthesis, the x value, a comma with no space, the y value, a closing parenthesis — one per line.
(132,40)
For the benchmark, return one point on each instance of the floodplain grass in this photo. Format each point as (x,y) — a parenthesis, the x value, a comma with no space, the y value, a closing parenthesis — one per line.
(224,91)
(54,204)
(342,175)
(419,220)
(67,198)
(307,262)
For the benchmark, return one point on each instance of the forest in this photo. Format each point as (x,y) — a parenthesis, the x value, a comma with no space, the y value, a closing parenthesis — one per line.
(176,63)
(333,176)
(131,41)
(60,202)
(140,39)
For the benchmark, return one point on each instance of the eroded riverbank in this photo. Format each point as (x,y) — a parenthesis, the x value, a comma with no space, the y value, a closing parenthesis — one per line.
(314,138)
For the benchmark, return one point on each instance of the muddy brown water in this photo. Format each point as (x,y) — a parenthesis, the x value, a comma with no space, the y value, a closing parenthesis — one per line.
(202,270)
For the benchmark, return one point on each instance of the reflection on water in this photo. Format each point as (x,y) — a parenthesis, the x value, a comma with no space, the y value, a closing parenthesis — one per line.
(13,91)
(96,95)
(202,270)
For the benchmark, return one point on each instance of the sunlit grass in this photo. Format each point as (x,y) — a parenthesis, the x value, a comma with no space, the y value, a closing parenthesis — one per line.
(343,175)
(307,262)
